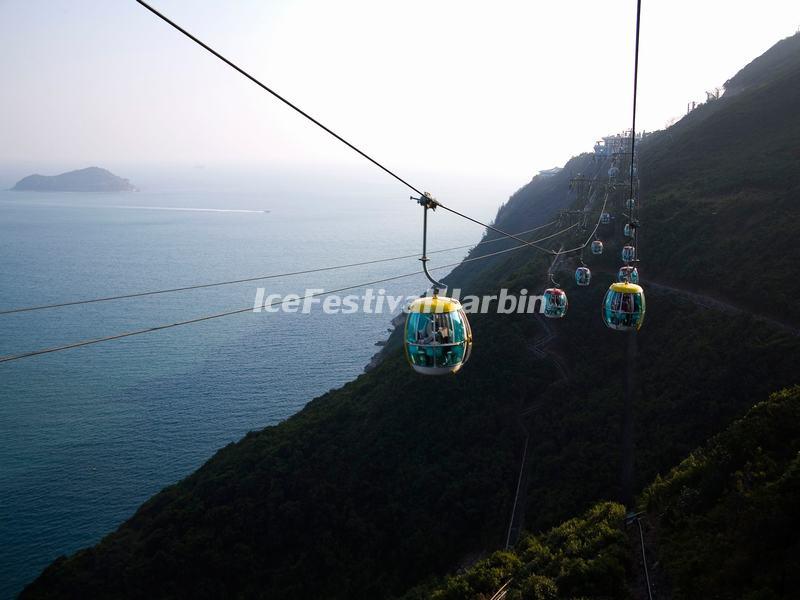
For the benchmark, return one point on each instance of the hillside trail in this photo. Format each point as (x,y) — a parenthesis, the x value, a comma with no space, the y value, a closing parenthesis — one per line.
(708,301)
(539,349)
(715,303)
(659,586)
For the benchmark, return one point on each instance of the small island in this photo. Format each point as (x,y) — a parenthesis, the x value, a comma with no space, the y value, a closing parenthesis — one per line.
(91,179)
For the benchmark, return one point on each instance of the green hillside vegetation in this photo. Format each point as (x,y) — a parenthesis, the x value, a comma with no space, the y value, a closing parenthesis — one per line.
(395,479)
(693,382)
(727,517)
(585,557)
(727,525)
(531,206)
(724,190)
(386,471)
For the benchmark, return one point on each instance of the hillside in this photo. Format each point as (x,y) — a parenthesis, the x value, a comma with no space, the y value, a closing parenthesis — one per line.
(91,179)
(751,470)
(584,557)
(723,187)
(392,480)
(727,517)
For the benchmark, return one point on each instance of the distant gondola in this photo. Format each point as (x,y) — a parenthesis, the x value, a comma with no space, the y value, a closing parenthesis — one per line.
(628,274)
(555,303)
(628,254)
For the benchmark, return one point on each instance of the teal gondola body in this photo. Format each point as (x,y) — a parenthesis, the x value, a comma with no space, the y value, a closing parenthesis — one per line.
(628,254)
(583,276)
(555,303)
(624,307)
(438,338)
(628,274)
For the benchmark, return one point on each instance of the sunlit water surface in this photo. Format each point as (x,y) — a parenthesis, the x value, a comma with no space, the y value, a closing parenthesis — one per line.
(87,435)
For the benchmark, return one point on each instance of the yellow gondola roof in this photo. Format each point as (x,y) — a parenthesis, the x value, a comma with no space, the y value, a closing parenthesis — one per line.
(627,288)
(434,304)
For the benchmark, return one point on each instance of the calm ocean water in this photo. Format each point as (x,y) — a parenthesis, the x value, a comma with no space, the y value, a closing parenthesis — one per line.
(87,435)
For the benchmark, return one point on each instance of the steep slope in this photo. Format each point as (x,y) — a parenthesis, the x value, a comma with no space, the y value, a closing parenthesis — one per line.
(722,190)
(375,487)
(727,517)
(697,371)
(726,520)
(777,62)
(584,557)
(531,206)
(389,470)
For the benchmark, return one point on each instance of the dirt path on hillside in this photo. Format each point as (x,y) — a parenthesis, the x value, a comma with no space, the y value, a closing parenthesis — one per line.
(713,303)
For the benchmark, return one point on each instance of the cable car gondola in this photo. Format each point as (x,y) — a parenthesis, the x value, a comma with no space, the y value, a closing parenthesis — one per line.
(597,247)
(605,218)
(624,307)
(583,276)
(628,254)
(628,274)
(555,303)
(613,172)
(438,337)
(630,203)
(628,230)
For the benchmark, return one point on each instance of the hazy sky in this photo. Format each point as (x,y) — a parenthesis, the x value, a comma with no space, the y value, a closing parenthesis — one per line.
(500,89)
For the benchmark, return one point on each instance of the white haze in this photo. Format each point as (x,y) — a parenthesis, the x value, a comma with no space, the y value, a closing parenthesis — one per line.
(466,99)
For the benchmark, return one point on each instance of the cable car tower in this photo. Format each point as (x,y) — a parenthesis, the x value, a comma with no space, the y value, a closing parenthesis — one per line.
(581,186)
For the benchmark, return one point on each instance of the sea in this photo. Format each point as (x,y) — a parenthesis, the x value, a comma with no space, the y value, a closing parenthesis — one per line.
(88,434)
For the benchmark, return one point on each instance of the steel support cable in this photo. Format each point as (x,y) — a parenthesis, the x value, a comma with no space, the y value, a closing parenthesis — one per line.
(319,124)
(644,561)
(501,593)
(274,93)
(331,132)
(14,357)
(591,235)
(118,336)
(634,207)
(264,277)
(493,228)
